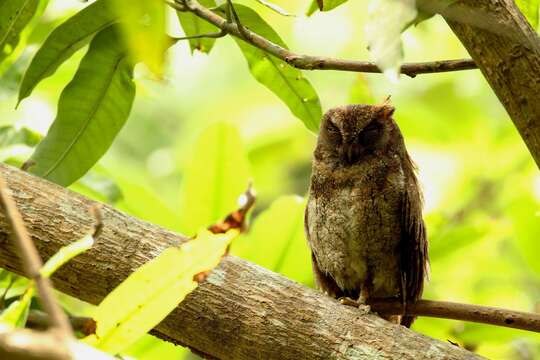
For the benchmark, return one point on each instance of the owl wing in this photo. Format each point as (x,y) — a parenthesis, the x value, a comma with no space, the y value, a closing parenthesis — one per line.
(413,243)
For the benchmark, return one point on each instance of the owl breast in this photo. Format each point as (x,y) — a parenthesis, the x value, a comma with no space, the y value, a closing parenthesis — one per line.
(353,224)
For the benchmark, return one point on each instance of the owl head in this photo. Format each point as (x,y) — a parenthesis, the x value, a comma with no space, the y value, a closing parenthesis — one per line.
(350,133)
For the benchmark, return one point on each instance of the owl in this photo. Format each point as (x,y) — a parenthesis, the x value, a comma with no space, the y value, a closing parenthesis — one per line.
(363,218)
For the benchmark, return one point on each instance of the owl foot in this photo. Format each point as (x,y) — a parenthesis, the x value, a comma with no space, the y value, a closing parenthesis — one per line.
(366,309)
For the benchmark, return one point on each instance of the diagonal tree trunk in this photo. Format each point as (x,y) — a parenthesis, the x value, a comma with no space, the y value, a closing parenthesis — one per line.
(507,51)
(241,311)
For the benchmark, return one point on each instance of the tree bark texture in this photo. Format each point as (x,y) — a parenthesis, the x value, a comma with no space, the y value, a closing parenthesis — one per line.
(241,311)
(507,51)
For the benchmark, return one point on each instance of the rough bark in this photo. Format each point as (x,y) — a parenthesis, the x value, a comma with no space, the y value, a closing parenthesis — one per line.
(241,311)
(507,51)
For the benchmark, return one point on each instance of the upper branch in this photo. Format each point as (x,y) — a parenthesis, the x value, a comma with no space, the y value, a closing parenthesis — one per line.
(241,311)
(307,62)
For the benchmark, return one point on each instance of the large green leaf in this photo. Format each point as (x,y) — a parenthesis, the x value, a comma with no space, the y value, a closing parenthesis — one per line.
(283,80)
(64,41)
(92,109)
(530,9)
(14,16)
(194,25)
(150,293)
(276,240)
(143,27)
(327,5)
(216,176)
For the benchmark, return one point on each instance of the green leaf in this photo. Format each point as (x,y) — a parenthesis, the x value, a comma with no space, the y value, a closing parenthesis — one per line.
(11,135)
(14,16)
(216,175)
(530,9)
(194,25)
(387,19)
(129,312)
(283,80)
(65,254)
(327,6)
(92,109)
(276,240)
(17,312)
(100,186)
(64,41)
(143,27)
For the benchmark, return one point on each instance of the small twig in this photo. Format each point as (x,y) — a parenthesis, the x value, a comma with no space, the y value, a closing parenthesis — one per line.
(465,312)
(32,262)
(308,62)
(95,210)
(41,321)
(214,35)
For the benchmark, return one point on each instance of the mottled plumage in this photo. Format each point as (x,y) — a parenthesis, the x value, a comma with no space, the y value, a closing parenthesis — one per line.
(363,218)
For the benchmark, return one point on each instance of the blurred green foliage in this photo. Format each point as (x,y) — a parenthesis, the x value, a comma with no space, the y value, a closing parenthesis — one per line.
(208,116)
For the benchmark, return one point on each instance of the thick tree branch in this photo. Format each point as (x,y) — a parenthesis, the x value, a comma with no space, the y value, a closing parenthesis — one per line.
(507,51)
(241,311)
(307,62)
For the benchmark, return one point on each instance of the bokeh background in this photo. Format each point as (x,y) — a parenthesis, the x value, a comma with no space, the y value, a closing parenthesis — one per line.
(197,137)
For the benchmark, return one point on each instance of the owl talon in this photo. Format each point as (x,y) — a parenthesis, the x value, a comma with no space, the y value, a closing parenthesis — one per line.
(348,301)
(366,309)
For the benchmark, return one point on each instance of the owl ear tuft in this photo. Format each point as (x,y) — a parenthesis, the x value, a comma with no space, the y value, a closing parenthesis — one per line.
(386,111)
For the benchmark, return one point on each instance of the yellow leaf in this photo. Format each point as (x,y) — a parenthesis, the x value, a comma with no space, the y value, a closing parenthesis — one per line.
(150,293)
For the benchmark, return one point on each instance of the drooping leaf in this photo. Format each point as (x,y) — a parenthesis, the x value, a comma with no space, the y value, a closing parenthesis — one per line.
(327,5)
(92,109)
(530,8)
(127,313)
(17,312)
(64,41)
(194,25)
(276,240)
(143,27)
(14,16)
(387,19)
(65,254)
(283,80)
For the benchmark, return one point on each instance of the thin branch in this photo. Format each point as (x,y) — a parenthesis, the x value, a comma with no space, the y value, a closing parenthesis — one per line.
(465,312)
(31,261)
(308,62)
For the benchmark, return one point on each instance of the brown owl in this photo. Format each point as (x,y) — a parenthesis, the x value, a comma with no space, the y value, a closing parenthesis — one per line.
(364,214)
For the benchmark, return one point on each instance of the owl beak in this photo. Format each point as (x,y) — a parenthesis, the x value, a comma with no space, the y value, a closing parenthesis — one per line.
(350,153)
